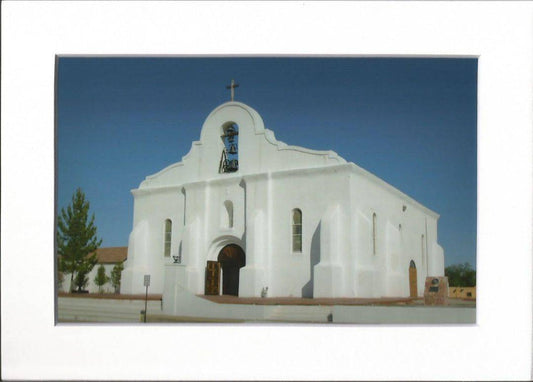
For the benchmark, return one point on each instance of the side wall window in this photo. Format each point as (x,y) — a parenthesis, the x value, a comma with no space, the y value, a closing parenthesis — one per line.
(423,249)
(296,230)
(374,233)
(184,205)
(168,237)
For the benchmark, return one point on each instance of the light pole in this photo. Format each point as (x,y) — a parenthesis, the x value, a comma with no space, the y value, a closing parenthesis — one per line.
(146,284)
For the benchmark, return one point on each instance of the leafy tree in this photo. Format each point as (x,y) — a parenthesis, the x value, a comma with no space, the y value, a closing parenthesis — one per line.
(101,278)
(116,274)
(461,275)
(76,240)
(81,280)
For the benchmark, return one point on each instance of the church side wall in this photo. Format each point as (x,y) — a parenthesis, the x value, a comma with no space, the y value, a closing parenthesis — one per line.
(404,232)
(312,192)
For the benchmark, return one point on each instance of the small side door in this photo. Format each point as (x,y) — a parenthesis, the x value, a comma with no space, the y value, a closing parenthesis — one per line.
(212,278)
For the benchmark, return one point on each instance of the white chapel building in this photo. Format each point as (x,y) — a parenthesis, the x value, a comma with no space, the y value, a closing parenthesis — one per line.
(246,215)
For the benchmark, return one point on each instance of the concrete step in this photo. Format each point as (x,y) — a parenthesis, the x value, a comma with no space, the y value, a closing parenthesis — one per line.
(101,310)
(108,309)
(95,317)
(300,313)
(98,315)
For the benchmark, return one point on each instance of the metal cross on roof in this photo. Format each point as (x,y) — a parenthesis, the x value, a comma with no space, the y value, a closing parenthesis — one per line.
(232,87)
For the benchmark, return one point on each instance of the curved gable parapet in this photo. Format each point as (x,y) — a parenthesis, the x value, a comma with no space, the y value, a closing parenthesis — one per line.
(271,138)
(152,180)
(189,154)
(170,174)
(259,150)
(324,153)
(226,112)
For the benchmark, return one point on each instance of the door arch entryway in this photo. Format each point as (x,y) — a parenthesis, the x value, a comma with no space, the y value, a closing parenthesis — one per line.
(231,259)
(413,284)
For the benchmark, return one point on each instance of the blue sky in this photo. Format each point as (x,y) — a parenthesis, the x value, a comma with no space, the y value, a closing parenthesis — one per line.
(410,121)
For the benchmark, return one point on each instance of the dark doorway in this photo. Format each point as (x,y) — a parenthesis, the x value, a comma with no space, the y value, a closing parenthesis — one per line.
(231,259)
(413,287)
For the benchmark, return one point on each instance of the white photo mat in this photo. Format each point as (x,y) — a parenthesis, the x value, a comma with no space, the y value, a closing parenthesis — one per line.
(498,347)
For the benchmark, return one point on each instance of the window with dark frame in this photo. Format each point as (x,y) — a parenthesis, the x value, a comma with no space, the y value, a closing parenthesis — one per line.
(296,230)
(168,237)
(374,233)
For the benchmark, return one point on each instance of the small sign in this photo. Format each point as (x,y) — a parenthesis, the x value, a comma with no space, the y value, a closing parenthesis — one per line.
(436,291)
(146,280)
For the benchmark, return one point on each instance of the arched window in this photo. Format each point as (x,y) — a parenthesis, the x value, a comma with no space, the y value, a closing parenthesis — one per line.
(374,233)
(296,230)
(184,205)
(423,249)
(168,237)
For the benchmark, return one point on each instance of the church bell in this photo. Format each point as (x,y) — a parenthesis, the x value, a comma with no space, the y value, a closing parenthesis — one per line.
(230,134)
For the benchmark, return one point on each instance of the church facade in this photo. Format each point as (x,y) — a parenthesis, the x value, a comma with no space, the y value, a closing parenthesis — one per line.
(246,215)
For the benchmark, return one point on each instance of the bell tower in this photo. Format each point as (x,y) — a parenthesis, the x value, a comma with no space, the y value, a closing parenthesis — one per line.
(229,160)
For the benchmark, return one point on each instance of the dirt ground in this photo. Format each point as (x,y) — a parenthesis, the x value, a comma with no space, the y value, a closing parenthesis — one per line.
(227,299)
(390,301)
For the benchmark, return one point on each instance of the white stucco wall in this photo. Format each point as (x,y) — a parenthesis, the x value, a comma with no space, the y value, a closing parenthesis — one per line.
(337,200)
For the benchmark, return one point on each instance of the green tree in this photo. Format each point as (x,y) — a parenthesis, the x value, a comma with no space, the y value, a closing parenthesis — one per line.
(101,278)
(461,275)
(76,240)
(116,275)
(81,280)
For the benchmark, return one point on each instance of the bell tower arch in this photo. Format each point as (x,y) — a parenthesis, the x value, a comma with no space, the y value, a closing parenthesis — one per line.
(229,160)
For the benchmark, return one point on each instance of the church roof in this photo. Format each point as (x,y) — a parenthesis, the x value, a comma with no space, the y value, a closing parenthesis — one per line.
(111,255)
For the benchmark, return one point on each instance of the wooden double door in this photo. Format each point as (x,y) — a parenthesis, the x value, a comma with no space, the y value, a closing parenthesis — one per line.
(229,262)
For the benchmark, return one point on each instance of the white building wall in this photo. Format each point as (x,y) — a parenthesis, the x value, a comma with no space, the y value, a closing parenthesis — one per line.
(398,237)
(254,276)
(146,245)
(292,272)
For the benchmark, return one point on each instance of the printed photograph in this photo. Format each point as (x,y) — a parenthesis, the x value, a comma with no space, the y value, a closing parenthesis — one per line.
(272,190)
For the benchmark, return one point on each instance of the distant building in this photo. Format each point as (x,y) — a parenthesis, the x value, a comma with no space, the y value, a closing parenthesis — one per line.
(462,292)
(108,257)
(247,215)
